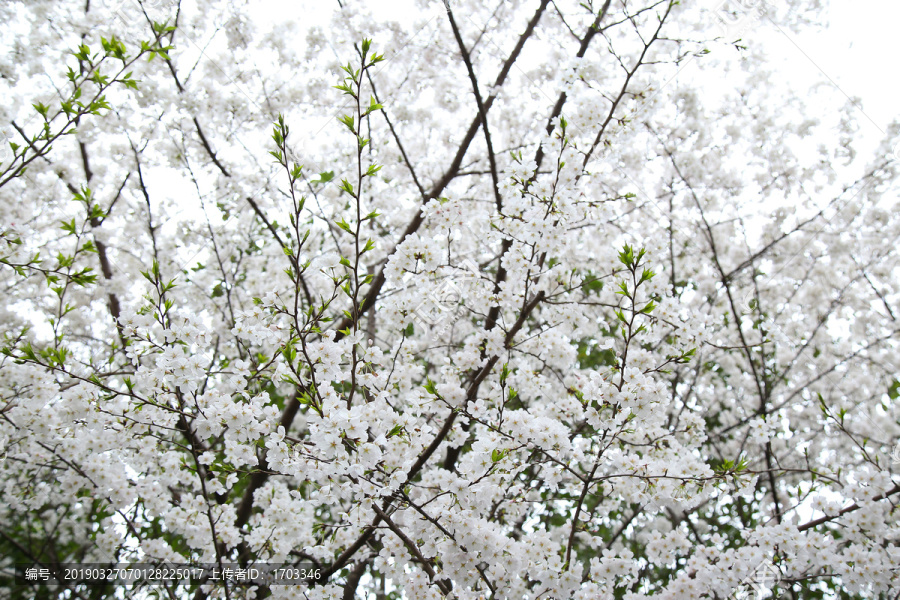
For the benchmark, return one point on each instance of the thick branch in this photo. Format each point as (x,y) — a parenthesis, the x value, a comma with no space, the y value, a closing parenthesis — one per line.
(851,508)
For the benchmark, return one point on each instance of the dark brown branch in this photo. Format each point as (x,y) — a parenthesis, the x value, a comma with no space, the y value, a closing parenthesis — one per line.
(396,137)
(482,113)
(258,478)
(274,232)
(414,550)
(451,172)
(844,511)
(582,50)
(353,578)
(209,150)
(629,75)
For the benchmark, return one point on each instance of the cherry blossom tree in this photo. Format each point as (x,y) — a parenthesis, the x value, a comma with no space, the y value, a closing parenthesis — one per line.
(520,299)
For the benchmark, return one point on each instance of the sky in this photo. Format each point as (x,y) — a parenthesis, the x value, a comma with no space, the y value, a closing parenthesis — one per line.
(857,52)
(860,53)
(852,52)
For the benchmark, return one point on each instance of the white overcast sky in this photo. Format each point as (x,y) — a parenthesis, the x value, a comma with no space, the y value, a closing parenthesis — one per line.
(857,51)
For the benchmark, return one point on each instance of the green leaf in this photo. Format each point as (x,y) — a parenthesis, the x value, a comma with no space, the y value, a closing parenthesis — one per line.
(626,256)
(373,106)
(592,285)
(348,122)
(324,177)
(344,88)
(894,390)
(42,109)
(97,212)
(344,225)
(504,374)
